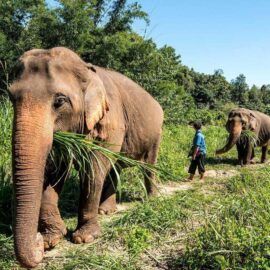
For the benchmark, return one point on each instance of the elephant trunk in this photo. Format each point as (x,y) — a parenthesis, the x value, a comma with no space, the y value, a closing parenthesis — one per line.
(32,140)
(232,140)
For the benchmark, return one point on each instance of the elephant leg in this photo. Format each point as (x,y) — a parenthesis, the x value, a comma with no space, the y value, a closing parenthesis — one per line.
(246,161)
(252,161)
(88,227)
(108,197)
(249,153)
(149,178)
(51,225)
(240,153)
(264,153)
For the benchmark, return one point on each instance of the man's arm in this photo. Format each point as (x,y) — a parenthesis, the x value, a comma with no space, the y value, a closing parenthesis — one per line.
(196,149)
(196,146)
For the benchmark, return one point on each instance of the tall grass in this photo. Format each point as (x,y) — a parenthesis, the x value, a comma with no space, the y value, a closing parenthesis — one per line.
(235,232)
(4,70)
(6,113)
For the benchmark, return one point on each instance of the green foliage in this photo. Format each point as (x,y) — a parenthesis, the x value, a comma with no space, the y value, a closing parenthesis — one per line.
(121,16)
(240,90)
(235,232)
(92,260)
(6,113)
(101,32)
(137,240)
(156,215)
(247,136)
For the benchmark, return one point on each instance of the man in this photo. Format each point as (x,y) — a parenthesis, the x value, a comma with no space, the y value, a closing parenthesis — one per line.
(198,152)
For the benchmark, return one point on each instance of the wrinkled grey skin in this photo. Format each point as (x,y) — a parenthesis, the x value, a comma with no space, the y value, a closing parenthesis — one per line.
(243,119)
(56,91)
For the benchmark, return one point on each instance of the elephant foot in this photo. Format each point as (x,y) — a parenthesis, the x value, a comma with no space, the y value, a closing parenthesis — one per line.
(153,193)
(250,162)
(108,207)
(263,161)
(52,228)
(51,240)
(86,233)
(39,252)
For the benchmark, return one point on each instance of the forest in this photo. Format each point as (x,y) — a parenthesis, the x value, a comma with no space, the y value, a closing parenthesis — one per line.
(101,32)
(219,223)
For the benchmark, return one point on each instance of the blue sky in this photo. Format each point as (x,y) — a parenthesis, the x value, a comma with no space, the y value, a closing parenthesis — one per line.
(233,35)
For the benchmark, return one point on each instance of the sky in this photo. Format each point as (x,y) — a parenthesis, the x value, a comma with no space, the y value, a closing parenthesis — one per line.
(232,35)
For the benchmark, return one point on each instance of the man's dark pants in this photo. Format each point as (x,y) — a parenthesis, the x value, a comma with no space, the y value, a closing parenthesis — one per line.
(198,162)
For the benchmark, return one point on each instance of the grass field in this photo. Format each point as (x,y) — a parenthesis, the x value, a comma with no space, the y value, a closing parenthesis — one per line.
(221,223)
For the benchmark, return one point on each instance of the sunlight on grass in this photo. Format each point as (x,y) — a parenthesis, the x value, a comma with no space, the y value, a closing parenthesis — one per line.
(218,224)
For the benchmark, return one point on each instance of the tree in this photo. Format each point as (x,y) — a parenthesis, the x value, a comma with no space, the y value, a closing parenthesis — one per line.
(239,91)
(84,26)
(255,99)
(265,94)
(101,32)
(121,16)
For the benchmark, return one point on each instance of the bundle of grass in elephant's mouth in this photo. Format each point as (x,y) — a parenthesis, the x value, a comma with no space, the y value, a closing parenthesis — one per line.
(69,148)
(248,136)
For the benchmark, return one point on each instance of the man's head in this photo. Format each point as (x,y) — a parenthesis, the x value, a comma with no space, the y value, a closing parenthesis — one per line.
(197,124)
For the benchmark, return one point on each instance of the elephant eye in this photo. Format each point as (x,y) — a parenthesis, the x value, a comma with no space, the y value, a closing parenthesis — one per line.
(59,101)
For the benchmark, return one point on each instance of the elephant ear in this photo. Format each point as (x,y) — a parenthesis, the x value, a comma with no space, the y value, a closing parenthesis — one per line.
(253,123)
(95,102)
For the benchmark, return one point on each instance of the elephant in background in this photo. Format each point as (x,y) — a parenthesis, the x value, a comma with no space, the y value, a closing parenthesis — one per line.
(243,119)
(57,91)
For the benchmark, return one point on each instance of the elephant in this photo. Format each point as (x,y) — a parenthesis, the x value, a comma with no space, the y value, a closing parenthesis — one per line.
(55,90)
(244,119)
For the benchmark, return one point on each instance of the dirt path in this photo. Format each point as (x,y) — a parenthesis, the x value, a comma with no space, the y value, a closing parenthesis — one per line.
(258,165)
(221,173)
(171,188)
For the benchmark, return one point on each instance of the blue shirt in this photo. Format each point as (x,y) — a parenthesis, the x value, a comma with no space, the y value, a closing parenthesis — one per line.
(199,141)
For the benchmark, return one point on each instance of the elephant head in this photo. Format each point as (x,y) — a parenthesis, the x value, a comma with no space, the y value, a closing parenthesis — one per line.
(54,91)
(238,120)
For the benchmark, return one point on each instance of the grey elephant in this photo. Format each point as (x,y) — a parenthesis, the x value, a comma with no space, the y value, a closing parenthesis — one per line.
(243,119)
(57,91)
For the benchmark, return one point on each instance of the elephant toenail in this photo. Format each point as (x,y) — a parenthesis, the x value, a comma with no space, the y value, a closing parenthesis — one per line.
(77,240)
(55,242)
(89,239)
(46,245)
(102,212)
